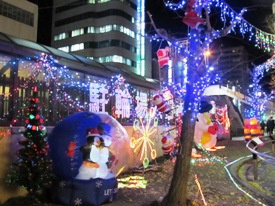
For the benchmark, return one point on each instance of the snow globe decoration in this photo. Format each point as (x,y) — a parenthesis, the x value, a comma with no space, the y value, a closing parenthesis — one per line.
(88,151)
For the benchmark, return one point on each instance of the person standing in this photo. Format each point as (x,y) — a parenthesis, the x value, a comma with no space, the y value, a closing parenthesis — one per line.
(262,124)
(270,125)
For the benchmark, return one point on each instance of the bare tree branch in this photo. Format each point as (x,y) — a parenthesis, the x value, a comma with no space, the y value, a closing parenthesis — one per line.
(226,30)
(161,32)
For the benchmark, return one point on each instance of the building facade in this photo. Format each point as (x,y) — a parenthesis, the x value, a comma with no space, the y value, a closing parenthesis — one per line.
(66,83)
(19,18)
(108,31)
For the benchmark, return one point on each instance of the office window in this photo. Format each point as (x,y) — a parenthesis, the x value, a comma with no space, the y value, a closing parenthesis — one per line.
(61,36)
(91,29)
(77,32)
(16,13)
(77,47)
(115,58)
(65,49)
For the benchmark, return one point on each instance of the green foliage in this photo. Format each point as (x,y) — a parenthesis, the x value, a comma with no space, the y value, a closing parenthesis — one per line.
(32,169)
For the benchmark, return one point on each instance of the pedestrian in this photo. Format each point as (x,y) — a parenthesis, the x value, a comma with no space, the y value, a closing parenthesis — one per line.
(262,124)
(270,125)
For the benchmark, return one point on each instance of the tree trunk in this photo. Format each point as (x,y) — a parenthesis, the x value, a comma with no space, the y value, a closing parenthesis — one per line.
(177,194)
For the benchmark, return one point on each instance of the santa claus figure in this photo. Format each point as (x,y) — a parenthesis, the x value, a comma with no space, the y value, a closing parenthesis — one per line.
(167,144)
(163,57)
(192,19)
(90,152)
(161,103)
(205,130)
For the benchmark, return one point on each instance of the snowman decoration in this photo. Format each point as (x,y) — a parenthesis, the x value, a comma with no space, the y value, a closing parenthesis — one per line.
(103,171)
(205,130)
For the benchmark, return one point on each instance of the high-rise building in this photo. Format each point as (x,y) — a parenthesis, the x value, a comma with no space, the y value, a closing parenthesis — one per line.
(19,18)
(111,32)
(232,65)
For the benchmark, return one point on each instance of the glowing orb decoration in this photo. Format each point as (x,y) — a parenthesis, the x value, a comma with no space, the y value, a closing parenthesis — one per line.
(69,135)
(146,126)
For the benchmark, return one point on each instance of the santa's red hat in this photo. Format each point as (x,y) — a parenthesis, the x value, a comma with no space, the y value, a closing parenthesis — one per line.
(92,132)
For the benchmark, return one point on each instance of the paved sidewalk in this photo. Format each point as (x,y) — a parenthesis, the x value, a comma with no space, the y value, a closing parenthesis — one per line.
(218,187)
(259,181)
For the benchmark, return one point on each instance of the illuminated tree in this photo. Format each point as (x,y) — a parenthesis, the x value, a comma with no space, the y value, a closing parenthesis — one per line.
(32,170)
(258,97)
(199,76)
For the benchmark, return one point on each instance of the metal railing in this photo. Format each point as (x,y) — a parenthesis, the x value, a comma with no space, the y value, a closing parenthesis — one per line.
(253,146)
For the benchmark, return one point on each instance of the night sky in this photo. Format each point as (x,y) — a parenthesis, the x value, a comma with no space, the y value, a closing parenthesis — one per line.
(256,15)
(171,22)
(44,21)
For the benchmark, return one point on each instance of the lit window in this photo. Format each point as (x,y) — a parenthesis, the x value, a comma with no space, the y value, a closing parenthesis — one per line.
(65,49)
(108,28)
(117,58)
(77,47)
(102,29)
(77,32)
(128,62)
(91,29)
(100,59)
(108,59)
(61,36)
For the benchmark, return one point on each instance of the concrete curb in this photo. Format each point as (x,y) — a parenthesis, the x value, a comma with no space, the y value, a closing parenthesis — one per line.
(234,170)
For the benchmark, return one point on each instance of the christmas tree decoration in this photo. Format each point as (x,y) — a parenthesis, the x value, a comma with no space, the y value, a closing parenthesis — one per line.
(33,168)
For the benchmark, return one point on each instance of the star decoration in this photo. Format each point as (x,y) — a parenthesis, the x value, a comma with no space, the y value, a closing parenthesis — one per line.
(98,184)
(78,201)
(146,126)
(62,184)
